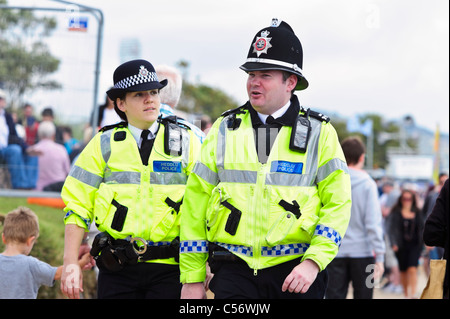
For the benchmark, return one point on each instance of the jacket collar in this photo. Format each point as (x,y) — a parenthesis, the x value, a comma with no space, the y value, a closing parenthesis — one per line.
(287,119)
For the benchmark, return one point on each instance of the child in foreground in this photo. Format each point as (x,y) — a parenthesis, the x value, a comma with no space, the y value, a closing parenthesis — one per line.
(21,275)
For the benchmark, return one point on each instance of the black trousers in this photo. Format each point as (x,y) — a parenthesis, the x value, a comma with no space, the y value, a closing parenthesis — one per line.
(235,280)
(342,271)
(140,281)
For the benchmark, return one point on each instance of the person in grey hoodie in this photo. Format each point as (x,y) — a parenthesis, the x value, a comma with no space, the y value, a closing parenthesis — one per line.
(360,258)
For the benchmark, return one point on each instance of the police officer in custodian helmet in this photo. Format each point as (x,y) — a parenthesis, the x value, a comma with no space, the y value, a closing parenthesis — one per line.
(269,200)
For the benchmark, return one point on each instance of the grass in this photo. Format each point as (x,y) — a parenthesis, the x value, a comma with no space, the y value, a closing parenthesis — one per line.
(49,247)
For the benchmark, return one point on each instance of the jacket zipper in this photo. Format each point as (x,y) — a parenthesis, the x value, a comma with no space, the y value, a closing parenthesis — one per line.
(260,195)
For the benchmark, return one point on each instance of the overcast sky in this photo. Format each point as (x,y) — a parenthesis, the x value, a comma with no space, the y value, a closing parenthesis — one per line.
(389,57)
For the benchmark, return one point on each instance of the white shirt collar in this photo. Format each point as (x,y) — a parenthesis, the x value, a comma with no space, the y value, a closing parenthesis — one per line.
(136,132)
(278,113)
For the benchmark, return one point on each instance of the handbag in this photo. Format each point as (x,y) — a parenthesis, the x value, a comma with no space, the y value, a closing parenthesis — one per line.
(435,284)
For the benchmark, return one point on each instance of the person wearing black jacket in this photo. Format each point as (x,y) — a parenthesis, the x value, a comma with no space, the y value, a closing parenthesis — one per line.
(405,229)
(436,229)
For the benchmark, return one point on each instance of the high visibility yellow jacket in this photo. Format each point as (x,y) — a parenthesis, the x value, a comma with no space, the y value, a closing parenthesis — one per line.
(109,175)
(270,231)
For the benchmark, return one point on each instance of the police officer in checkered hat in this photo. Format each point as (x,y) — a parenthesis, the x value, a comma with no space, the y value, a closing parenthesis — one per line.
(269,200)
(133,76)
(130,180)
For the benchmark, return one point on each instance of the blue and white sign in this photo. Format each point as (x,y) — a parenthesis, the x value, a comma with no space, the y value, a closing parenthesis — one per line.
(77,23)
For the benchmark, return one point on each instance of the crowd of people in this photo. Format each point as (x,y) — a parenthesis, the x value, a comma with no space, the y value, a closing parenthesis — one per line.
(26,150)
(34,154)
(289,214)
(385,233)
(405,209)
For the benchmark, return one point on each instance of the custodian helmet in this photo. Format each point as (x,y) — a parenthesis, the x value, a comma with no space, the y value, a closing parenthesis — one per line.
(277,48)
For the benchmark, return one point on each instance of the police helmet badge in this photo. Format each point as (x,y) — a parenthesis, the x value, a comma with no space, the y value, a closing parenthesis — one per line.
(143,71)
(262,43)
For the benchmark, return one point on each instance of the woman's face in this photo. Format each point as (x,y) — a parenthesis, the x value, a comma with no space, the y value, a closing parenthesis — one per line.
(407,198)
(141,108)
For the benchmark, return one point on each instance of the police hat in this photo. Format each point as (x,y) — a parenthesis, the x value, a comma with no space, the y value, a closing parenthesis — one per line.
(277,48)
(133,76)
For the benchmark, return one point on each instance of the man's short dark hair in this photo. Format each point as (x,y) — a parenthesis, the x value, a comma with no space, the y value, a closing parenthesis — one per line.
(353,148)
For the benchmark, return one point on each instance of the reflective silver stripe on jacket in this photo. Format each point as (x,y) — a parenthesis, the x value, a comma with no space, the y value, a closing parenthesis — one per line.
(105,145)
(186,141)
(122,177)
(131,177)
(168,178)
(85,177)
(330,167)
(309,177)
(205,173)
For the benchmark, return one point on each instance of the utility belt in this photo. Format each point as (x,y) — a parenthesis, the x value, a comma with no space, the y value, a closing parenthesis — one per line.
(115,254)
(218,255)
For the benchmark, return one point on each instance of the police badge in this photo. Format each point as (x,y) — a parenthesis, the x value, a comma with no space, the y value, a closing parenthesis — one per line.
(143,71)
(262,43)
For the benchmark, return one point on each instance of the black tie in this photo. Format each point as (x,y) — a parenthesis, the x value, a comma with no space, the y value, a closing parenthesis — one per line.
(270,119)
(264,143)
(146,147)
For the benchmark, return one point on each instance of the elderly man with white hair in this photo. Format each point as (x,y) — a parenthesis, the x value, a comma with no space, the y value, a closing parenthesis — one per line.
(170,97)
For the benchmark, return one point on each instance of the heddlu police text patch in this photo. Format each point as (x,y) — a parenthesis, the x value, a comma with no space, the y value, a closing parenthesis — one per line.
(167,167)
(286,167)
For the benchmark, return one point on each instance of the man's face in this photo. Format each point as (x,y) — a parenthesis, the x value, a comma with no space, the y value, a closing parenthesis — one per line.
(267,91)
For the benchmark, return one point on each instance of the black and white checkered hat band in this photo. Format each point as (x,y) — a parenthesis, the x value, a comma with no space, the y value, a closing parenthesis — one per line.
(135,80)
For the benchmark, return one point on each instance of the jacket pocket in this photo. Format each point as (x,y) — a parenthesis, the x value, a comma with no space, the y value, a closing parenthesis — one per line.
(308,223)
(103,205)
(168,220)
(215,212)
(280,228)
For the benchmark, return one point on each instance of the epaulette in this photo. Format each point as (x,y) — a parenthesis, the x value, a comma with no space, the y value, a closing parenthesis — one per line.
(174,120)
(238,110)
(110,127)
(232,122)
(316,115)
(319,116)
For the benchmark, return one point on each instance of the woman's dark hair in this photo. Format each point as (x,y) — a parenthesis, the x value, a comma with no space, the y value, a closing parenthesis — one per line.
(122,115)
(399,205)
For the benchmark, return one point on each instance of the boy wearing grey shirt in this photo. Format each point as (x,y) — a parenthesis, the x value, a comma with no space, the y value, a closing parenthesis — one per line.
(22,275)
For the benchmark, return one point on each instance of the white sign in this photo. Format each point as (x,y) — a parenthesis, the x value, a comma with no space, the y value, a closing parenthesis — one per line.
(411,166)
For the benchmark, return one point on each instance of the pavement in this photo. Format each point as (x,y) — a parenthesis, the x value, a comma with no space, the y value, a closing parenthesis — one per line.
(380,293)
